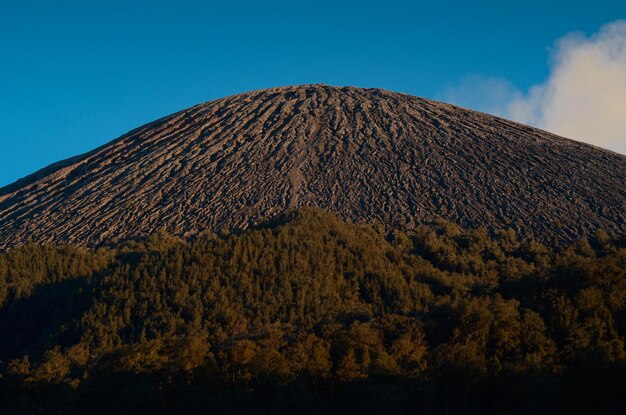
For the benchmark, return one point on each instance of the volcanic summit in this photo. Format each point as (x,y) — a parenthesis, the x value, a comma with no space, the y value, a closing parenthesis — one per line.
(366,154)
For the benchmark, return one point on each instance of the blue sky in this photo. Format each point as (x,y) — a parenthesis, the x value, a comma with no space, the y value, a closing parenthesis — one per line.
(77,74)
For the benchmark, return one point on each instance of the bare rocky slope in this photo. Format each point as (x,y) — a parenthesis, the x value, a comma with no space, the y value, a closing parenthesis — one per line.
(367,154)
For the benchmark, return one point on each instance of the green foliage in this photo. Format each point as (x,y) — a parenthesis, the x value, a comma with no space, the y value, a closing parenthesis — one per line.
(307,304)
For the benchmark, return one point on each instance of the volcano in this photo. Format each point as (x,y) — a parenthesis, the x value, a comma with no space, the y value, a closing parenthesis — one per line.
(364,154)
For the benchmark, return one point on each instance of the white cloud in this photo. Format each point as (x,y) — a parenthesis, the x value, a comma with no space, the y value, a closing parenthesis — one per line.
(584,97)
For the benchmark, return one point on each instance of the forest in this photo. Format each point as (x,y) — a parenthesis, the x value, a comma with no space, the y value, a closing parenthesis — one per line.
(309,314)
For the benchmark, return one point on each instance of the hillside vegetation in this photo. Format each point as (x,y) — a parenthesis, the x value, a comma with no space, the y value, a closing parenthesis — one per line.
(309,314)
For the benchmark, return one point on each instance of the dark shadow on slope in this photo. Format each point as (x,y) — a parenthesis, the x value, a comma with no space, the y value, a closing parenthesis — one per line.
(46,317)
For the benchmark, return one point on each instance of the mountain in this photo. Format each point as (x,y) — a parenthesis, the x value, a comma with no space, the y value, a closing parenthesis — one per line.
(366,154)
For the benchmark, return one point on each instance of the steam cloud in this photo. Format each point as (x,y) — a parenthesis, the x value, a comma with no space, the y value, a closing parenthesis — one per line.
(584,97)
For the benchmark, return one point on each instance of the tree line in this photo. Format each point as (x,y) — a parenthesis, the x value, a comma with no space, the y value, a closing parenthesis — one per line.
(309,314)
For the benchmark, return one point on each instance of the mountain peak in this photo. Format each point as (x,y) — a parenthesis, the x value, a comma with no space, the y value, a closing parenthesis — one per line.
(366,154)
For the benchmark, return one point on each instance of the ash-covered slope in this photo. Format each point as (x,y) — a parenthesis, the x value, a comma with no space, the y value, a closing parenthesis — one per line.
(367,154)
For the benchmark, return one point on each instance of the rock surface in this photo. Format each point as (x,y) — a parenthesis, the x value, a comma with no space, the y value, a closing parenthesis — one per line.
(367,154)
